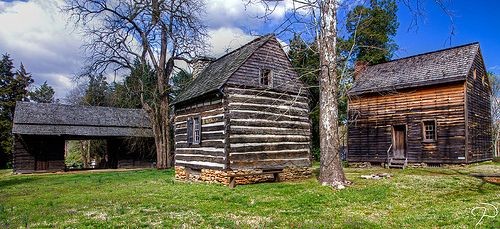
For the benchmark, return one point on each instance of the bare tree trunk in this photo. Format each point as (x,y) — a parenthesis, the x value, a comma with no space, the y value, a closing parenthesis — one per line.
(161,114)
(331,172)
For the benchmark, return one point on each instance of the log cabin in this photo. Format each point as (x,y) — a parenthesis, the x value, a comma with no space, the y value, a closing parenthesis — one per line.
(243,115)
(431,109)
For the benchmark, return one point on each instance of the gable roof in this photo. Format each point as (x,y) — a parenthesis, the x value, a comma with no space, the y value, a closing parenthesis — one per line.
(442,66)
(59,119)
(213,77)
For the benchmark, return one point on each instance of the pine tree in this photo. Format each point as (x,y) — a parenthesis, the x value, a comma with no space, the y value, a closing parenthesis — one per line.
(180,81)
(371,29)
(13,88)
(98,92)
(43,94)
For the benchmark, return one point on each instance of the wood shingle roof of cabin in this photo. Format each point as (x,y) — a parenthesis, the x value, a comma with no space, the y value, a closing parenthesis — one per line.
(59,119)
(442,66)
(215,75)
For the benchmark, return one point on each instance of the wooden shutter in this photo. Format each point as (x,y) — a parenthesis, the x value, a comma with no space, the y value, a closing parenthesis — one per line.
(190,131)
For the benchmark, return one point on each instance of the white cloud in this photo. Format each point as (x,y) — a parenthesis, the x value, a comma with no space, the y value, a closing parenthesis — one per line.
(39,35)
(36,33)
(239,13)
(226,39)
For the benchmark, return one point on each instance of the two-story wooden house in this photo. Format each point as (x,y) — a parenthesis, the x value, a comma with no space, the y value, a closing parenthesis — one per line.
(244,113)
(430,108)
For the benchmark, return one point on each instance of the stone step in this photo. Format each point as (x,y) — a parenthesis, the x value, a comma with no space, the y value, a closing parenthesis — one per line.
(397,166)
(399,163)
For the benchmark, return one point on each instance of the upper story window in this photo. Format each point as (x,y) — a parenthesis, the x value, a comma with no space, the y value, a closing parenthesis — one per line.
(429,129)
(194,130)
(265,77)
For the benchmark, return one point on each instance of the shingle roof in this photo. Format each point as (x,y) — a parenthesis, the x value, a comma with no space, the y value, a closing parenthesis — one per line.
(59,119)
(442,66)
(216,74)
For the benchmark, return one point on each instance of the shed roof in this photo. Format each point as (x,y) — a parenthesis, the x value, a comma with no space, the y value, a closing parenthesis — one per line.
(442,66)
(213,77)
(59,119)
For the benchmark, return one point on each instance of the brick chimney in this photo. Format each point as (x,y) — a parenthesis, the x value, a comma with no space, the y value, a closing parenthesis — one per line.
(359,67)
(199,64)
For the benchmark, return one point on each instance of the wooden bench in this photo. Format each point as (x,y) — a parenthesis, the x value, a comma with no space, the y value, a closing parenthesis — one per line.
(232,178)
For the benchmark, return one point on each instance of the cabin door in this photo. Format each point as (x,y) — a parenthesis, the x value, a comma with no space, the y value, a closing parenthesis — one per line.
(399,141)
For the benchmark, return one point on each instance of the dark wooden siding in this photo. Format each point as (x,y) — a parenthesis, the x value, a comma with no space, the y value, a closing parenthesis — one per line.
(372,117)
(35,153)
(268,129)
(269,56)
(480,146)
(210,153)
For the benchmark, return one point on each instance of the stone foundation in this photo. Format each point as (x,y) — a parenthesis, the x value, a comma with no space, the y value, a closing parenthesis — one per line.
(221,176)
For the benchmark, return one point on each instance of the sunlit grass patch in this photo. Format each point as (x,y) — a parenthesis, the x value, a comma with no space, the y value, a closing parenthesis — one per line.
(416,198)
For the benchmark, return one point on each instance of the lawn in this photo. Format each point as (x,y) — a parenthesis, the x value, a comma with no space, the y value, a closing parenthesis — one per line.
(416,198)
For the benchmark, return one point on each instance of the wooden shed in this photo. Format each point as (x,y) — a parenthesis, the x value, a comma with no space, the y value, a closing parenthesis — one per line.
(246,113)
(431,108)
(41,129)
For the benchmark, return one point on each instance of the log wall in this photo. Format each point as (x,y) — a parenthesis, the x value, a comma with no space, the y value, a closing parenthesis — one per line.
(372,117)
(268,129)
(479,122)
(38,153)
(270,56)
(210,153)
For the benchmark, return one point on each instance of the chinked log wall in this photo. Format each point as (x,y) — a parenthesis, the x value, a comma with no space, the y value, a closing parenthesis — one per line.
(370,132)
(268,130)
(210,153)
(480,146)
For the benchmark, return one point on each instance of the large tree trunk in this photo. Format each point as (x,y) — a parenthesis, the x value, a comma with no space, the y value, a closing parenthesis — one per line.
(162,122)
(331,172)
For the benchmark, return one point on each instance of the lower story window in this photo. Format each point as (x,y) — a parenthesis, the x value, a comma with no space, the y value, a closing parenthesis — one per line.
(429,130)
(193,130)
(196,130)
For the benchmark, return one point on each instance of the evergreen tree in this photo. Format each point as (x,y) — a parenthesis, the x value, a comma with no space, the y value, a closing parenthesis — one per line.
(371,29)
(140,82)
(98,91)
(13,88)
(43,94)
(180,81)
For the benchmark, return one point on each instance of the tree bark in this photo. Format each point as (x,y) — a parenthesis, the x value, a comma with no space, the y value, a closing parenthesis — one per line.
(161,129)
(331,172)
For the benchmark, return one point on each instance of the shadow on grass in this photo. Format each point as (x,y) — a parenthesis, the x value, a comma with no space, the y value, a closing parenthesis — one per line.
(17,181)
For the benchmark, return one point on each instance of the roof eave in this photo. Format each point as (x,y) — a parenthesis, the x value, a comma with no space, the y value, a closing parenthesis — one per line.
(408,86)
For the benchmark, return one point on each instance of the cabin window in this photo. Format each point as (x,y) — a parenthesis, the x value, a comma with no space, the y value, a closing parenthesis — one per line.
(189,131)
(193,130)
(429,130)
(196,130)
(265,77)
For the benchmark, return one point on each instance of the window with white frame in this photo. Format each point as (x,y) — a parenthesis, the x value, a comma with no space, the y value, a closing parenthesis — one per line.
(196,130)
(429,129)
(193,126)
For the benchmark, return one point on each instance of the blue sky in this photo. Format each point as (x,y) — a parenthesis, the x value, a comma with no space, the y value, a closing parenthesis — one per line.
(473,21)
(38,34)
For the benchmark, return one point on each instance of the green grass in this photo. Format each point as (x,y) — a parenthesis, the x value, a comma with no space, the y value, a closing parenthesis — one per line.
(414,198)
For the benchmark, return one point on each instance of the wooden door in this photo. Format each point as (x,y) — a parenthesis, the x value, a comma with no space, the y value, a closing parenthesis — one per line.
(399,141)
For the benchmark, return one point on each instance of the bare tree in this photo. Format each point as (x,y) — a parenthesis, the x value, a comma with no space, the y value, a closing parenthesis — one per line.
(495,112)
(319,20)
(331,172)
(154,32)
